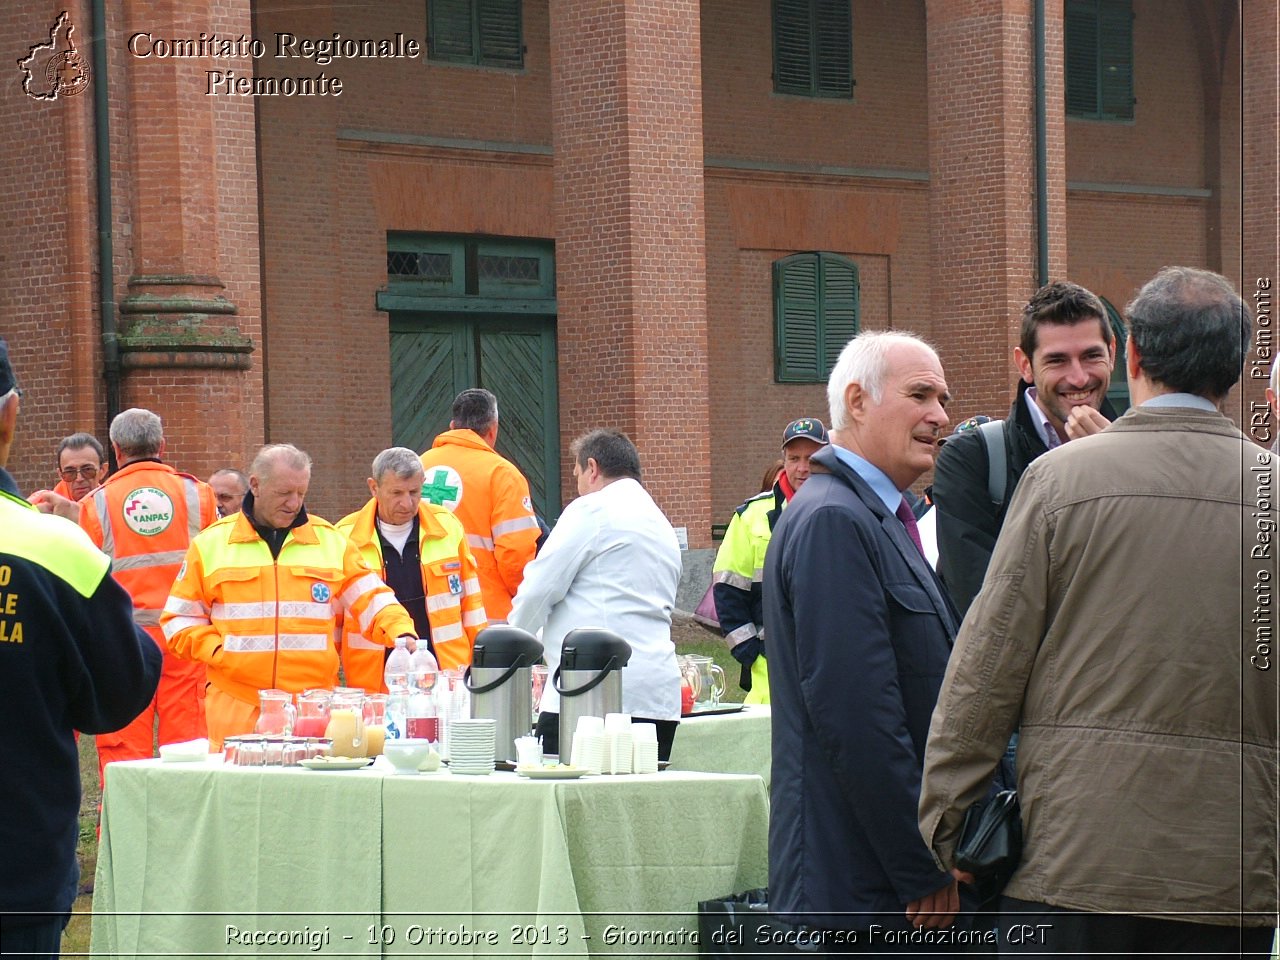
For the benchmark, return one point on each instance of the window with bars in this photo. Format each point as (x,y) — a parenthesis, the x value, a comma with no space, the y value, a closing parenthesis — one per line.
(1099,59)
(449,265)
(813,48)
(487,33)
(509,269)
(419,266)
(815,313)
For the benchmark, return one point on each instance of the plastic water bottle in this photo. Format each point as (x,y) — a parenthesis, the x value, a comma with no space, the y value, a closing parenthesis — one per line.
(423,722)
(397,674)
(399,666)
(423,670)
(424,718)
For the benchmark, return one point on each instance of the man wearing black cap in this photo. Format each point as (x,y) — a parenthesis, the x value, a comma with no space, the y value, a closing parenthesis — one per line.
(70,659)
(739,562)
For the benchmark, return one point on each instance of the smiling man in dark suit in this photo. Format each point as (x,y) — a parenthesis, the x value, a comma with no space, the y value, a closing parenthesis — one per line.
(861,630)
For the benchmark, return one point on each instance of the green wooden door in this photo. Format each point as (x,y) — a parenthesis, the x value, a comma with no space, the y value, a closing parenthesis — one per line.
(435,356)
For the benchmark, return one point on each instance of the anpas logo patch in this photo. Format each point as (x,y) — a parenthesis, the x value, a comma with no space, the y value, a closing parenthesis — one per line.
(148,511)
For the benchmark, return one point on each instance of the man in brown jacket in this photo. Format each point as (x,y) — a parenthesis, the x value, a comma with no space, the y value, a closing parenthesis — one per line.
(1125,626)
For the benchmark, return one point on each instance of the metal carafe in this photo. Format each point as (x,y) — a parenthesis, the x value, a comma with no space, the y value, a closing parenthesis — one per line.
(589,678)
(501,684)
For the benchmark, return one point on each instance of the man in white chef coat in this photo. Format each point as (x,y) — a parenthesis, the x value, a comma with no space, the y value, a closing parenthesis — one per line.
(611,561)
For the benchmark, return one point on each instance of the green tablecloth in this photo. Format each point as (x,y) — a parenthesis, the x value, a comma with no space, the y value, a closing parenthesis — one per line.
(725,743)
(363,863)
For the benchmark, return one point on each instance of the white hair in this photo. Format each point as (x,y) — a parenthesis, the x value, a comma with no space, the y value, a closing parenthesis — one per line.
(864,360)
(401,461)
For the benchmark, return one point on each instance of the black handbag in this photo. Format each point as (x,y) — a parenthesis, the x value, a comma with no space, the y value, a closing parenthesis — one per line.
(990,845)
(741,925)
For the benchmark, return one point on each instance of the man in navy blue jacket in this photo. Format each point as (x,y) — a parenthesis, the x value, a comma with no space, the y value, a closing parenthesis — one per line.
(859,633)
(70,658)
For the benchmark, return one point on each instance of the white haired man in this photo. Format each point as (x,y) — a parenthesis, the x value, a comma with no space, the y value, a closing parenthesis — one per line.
(859,630)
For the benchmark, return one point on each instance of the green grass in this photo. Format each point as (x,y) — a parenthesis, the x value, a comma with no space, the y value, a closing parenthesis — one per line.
(75,939)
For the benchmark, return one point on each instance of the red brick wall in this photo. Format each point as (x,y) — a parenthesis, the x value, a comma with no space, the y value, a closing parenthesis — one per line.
(50,301)
(883,126)
(981,190)
(631,259)
(42,169)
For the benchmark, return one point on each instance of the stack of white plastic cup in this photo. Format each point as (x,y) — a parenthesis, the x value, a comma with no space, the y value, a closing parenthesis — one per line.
(618,744)
(588,745)
(645,755)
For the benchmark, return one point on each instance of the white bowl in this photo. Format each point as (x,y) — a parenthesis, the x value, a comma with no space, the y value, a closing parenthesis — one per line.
(407,755)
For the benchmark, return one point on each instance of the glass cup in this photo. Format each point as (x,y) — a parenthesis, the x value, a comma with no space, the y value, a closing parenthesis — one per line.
(294,749)
(539,674)
(375,723)
(252,752)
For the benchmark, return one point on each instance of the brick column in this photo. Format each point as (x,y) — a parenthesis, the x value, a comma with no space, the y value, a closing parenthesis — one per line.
(182,345)
(982,162)
(630,230)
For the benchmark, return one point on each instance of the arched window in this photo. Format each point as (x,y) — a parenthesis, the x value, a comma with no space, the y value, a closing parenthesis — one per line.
(815,313)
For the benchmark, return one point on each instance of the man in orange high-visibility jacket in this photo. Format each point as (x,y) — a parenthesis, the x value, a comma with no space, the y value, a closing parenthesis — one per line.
(421,552)
(144,518)
(259,594)
(81,465)
(487,493)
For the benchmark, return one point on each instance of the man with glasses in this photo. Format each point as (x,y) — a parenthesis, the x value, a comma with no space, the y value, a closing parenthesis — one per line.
(82,468)
(229,487)
(80,465)
(144,518)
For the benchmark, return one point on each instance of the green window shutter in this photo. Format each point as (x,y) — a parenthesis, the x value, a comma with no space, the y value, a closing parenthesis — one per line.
(450,36)
(1115,55)
(834,48)
(839,307)
(815,314)
(793,46)
(813,48)
(500,34)
(1098,42)
(796,349)
(1081,42)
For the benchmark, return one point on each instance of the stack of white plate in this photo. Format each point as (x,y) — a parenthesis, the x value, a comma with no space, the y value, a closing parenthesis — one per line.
(645,748)
(471,746)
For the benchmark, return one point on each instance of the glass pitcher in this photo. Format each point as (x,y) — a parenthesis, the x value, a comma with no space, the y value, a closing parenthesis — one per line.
(690,684)
(346,723)
(275,712)
(313,713)
(711,683)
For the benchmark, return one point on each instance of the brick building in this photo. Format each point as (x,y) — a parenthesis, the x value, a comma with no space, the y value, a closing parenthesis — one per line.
(661,215)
